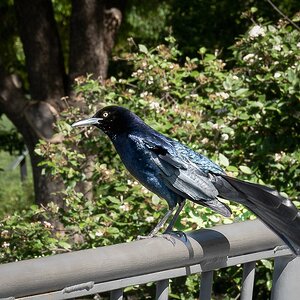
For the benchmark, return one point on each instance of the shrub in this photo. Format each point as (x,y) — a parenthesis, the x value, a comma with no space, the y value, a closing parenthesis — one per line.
(246,118)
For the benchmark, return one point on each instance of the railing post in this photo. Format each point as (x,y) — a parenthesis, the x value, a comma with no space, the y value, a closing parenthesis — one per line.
(162,290)
(248,280)
(286,278)
(116,294)
(206,285)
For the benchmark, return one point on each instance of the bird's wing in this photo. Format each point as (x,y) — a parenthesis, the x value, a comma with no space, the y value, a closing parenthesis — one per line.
(185,177)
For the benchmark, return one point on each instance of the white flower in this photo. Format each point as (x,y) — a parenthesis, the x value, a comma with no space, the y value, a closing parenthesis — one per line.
(99,233)
(256,31)
(149,219)
(279,156)
(154,105)
(5,245)
(277,47)
(4,233)
(151,80)
(204,141)
(225,136)
(125,207)
(298,45)
(47,224)
(249,57)
(277,75)
(144,94)
(222,95)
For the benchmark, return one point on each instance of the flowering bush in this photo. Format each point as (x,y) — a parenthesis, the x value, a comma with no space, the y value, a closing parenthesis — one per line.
(246,118)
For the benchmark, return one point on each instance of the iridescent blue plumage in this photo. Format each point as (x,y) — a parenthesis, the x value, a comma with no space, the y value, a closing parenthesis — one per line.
(145,154)
(175,172)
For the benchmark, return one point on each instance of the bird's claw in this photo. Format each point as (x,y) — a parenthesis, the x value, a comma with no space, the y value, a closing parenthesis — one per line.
(169,238)
(144,237)
(168,235)
(172,235)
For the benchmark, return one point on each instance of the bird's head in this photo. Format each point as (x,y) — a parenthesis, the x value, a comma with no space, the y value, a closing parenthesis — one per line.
(112,120)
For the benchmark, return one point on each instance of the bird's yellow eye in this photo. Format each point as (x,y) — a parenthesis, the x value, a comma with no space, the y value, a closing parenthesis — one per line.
(105,114)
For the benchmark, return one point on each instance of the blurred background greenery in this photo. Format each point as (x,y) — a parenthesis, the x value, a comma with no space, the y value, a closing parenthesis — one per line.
(220,76)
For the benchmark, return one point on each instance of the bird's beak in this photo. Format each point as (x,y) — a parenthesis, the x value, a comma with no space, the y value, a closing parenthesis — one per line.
(87,122)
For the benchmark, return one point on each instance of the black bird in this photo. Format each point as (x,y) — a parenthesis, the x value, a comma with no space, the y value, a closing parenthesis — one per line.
(175,173)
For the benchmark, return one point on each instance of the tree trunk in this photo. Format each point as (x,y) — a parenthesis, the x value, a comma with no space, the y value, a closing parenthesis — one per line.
(94,25)
(14,104)
(46,76)
(43,52)
(92,33)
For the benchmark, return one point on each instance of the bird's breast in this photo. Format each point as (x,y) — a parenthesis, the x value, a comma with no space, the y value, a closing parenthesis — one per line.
(137,158)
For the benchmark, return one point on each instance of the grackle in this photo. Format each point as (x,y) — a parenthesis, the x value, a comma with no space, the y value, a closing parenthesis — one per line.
(176,173)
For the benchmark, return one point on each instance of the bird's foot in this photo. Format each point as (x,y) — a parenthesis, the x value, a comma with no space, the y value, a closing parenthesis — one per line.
(172,235)
(144,237)
(168,235)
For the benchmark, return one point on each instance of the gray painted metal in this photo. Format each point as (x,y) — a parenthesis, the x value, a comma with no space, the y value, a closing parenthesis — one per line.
(206,285)
(116,294)
(151,260)
(161,275)
(248,280)
(286,278)
(162,289)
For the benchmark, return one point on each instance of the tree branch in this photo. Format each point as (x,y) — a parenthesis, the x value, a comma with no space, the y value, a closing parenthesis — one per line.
(283,15)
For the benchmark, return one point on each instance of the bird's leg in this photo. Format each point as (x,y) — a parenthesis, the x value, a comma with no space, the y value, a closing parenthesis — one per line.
(174,219)
(160,224)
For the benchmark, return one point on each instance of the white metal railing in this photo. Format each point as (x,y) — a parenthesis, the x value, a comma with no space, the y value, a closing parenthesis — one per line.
(113,268)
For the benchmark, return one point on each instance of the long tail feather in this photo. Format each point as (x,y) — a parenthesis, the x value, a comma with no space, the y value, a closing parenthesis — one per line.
(277,212)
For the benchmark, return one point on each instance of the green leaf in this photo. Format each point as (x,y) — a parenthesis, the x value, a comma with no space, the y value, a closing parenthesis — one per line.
(232,169)
(245,169)
(267,264)
(64,245)
(113,199)
(241,91)
(244,116)
(143,48)
(121,188)
(223,160)
(155,200)
(256,104)
(202,50)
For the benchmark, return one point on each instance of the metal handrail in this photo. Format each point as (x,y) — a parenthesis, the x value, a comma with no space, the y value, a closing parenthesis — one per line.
(112,268)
